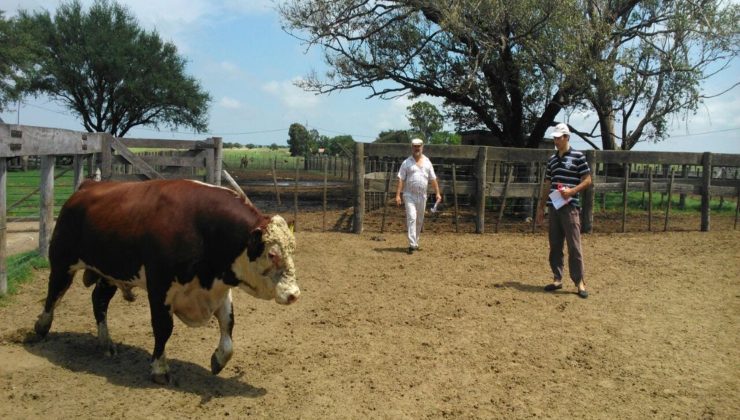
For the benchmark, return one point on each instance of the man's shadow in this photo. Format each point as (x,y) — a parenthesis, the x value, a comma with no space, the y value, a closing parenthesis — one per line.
(80,352)
(401,250)
(524,287)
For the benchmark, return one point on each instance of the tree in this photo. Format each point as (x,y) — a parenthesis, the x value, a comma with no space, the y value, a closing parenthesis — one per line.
(393,136)
(425,119)
(17,54)
(298,138)
(651,60)
(445,137)
(496,64)
(512,67)
(340,145)
(111,73)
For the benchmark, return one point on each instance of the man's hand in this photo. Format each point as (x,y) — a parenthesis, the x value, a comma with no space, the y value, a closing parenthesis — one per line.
(398,200)
(439,198)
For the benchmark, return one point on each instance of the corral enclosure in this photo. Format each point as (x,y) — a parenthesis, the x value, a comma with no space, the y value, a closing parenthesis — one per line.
(461,329)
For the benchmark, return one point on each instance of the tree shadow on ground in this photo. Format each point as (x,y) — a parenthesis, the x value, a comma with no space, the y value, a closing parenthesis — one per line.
(80,352)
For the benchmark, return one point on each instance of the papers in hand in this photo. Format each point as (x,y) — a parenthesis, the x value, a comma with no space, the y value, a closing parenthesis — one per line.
(558,200)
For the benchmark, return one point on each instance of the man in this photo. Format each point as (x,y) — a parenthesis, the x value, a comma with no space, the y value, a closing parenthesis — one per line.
(567,172)
(413,179)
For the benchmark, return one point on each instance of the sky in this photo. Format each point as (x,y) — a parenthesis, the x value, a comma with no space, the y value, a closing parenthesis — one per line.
(248,64)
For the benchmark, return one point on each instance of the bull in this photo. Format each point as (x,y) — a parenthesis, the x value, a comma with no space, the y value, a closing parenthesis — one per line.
(185,242)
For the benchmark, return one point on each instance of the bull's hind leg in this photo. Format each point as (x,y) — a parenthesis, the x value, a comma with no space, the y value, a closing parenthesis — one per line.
(59,281)
(162,325)
(225,317)
(101,296)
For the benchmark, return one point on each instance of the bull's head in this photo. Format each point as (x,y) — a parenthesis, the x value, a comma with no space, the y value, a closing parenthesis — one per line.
(266,269)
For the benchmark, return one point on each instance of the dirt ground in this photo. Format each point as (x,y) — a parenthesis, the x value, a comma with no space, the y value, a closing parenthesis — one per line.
(461,329)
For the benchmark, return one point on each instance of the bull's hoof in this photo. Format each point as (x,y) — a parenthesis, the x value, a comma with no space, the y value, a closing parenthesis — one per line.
(109,349)
(162,378)
(43,324)
(216,367)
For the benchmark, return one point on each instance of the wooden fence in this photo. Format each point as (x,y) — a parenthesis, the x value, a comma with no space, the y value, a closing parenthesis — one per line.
(112,156)
(483,172)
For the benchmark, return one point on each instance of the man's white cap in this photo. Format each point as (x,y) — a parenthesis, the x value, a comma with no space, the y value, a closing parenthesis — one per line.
(560,130)
(417,142)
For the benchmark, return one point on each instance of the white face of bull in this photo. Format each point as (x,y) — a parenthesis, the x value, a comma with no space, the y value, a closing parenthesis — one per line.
(272,274)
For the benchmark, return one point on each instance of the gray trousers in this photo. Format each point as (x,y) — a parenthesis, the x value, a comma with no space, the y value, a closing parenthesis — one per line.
(565,226)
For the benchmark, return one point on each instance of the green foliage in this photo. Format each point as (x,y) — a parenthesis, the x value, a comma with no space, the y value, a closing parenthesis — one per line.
(20,270)
(393,136)
(298,140)
(425,119)
(17,50)
(446,137)
(111,73)
(512,67)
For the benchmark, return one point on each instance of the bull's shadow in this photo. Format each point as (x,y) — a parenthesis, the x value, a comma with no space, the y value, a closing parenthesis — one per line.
(79,352)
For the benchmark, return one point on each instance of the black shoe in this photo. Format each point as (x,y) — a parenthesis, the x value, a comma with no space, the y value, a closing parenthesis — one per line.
(417,249)
(583,294)
(553,287)
(411,250)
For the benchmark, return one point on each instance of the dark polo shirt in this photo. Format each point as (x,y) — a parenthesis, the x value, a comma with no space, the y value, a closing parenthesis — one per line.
(567,170)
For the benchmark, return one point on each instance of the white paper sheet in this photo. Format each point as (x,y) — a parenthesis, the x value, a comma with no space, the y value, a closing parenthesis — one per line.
(558,200)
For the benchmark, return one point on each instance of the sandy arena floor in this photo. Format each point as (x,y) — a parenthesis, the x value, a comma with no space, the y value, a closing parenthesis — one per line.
(460,330)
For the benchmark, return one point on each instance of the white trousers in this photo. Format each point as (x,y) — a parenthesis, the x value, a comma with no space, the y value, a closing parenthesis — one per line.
(415,205)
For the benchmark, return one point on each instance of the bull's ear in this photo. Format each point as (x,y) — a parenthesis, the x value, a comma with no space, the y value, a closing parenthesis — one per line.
(255,245)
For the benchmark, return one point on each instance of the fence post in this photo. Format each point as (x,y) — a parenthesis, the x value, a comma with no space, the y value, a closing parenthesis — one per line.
(219,158)
(3,226)
(587,215)
(106,156)
(46,219)
(359,183)
(480,171)
(706,180)
(625,190)
(210,163)
(78,162)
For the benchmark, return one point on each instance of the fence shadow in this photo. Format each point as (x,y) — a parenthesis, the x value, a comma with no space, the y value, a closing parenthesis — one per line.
(79,352)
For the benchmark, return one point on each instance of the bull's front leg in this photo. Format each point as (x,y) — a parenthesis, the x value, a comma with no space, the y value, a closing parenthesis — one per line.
(224,351)
(162,326)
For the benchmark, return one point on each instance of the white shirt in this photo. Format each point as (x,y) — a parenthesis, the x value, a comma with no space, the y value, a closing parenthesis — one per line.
(416,177)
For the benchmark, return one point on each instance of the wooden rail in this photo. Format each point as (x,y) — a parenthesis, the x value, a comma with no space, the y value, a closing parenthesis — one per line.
(486,181)
(103,152)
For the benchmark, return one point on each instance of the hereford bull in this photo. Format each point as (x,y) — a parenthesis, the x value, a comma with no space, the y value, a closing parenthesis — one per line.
(185,242)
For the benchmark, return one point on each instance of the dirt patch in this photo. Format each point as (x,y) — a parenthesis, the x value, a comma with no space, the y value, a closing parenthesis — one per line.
(461,329)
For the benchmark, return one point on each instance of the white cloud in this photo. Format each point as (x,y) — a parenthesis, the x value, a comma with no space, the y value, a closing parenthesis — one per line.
(290,95)
(229,103)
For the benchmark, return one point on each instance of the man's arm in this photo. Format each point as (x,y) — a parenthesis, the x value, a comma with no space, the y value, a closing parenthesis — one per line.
(399,188)
(540,214)
(585,183)
(435,184)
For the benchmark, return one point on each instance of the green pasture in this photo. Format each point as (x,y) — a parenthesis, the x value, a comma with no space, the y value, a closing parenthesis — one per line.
(20,270)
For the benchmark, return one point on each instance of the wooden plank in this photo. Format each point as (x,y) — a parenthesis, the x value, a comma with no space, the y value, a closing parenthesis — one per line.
(515,190)
(625,190)
(3,227)
(480,197)
(166,144)
(706,177)
(359,188)
(454,197)
(668,206)
(638,186)
(513,154)
(650,201)
(673,158)
(135,160)
(46,215)
(509,175)
(186,161)
(25,140)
